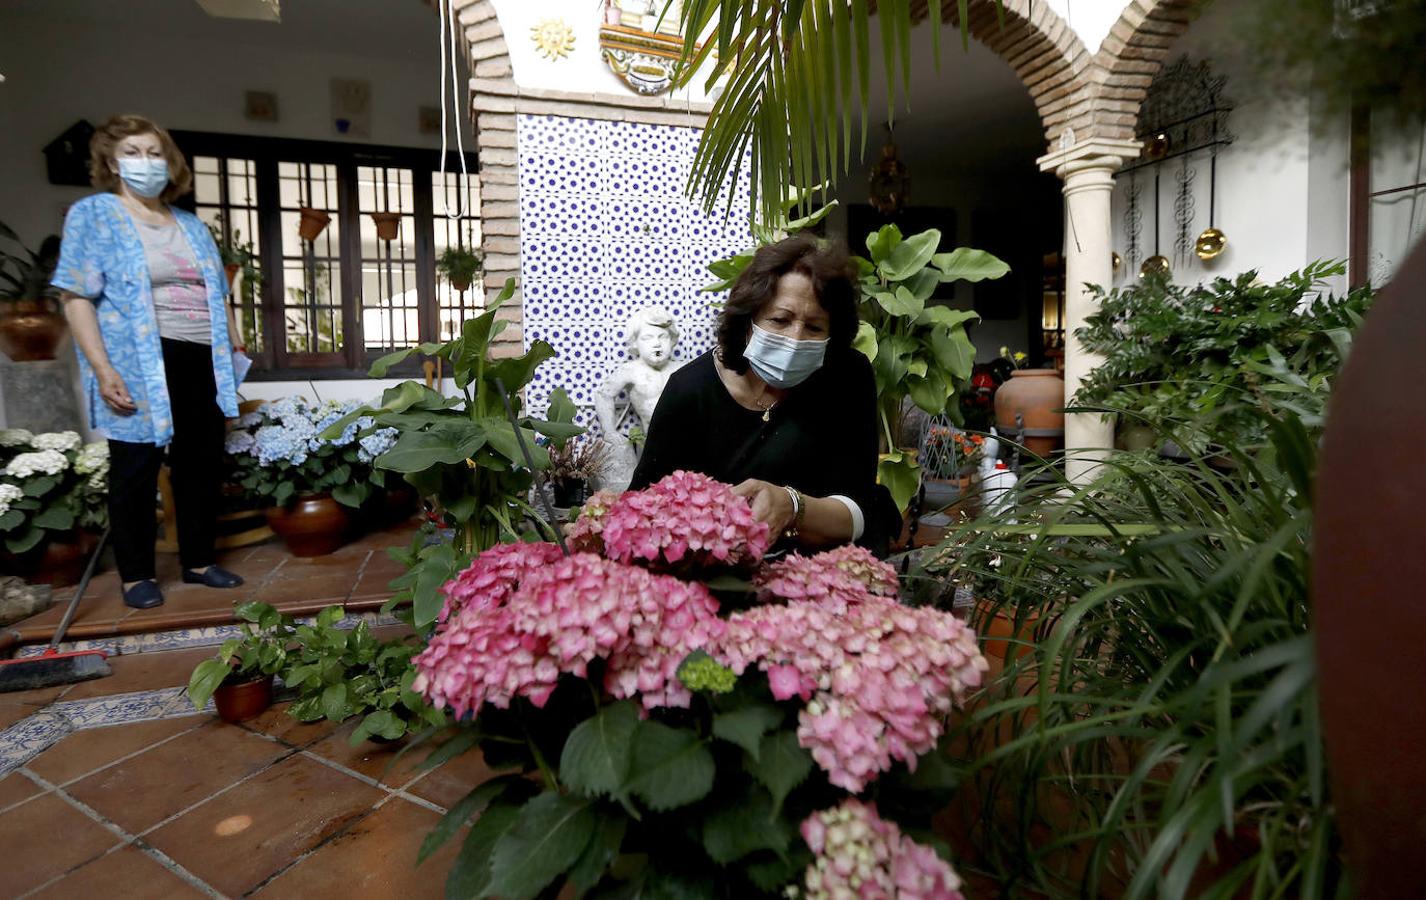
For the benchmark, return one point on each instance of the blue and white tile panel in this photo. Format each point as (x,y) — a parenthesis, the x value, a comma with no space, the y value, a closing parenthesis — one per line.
(605,229)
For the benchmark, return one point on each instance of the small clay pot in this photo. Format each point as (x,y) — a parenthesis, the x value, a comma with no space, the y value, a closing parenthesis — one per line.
(30,330)
(387,224)
(232,271)
(1000,630)
(243,700)
(58,560)
(313,222)
(461,285)
(311,525)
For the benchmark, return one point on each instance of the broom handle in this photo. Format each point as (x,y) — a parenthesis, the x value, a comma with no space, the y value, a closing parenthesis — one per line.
(79,591)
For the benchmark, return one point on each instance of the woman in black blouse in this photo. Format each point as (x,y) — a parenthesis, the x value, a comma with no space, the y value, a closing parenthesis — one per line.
(784,408)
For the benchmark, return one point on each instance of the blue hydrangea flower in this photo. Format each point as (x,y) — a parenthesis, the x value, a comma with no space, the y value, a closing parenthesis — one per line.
(239,442)
(376,443)
(283,442)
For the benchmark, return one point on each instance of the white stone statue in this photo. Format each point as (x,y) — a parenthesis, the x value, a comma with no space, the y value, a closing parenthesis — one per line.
(652,335)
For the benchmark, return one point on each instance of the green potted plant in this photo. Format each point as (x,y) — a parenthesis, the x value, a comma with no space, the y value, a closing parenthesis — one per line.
(53,489)
(31,324)
(575,468)
(340,673)
(459,266)
(239,679)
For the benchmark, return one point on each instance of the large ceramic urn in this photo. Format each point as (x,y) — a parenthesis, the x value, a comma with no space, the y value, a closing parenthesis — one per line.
(1037,397)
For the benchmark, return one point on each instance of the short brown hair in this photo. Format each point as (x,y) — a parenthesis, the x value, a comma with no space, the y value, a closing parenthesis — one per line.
(828,266)
(108,136)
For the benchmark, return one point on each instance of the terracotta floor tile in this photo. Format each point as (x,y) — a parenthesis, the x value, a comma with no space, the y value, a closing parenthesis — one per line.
(376,858)
(83,752)
(16,787)
(453,780)
(278,724)
(126,874)
(332,587)
(141,792)
(143,672)
(20,704)
(46,838)
(375,580)
(236,841)
(378,761)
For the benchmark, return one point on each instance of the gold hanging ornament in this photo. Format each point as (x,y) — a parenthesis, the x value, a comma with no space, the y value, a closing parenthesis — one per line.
(889,183)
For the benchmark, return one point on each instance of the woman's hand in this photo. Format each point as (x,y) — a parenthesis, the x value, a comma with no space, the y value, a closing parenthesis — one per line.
(770,503)
(115,392)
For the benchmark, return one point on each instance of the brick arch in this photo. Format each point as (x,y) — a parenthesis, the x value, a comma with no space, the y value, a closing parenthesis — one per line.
(1131,55)
(1044,51)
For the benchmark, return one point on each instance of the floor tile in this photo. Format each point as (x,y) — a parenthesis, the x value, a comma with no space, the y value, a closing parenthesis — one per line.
(98,614)
(16,787)
(143,672)
(452,781)
(126,874)
(46,838)
(392,835)
(83,752)
(141,792)
(20,704)
(332,587)
(377,761)
(236,841)
(278,724)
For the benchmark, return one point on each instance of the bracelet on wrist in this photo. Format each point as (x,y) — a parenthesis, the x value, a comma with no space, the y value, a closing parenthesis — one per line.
(799,510)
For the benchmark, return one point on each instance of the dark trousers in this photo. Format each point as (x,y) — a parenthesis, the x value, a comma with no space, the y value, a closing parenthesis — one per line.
(195,458)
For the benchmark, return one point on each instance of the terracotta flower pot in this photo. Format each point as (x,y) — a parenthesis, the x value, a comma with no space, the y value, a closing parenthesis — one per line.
(311,525)
(58,560)
(30,330)
(1000,630)
(1038,396)
(243,700)
(387,224)
(312,224)
(232,271)
(461,284)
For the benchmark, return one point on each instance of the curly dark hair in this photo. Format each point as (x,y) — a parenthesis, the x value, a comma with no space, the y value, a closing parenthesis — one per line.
(825,262)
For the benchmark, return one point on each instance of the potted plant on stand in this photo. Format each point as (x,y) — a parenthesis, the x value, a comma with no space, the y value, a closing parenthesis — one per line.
(575,469)
(52,503)
(239,679)
(31,324)
(459,266)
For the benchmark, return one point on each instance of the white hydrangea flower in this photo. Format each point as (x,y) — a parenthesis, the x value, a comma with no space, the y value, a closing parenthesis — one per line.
(57,440)
(92,458)
(15,437)
(44,462)
(8,494)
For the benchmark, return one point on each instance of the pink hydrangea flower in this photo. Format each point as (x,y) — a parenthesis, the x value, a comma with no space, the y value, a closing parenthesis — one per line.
(557,617)
(492,575)
(584,534)
(882,676)
(688,521)
(857,853)
(839,576)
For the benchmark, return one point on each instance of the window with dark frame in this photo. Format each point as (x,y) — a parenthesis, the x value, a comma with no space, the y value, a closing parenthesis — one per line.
(365,284)
(1387,193)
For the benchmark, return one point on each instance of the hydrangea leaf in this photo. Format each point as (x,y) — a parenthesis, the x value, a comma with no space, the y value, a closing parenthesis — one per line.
(547,837)
(781,765)
(596,756)
(469,805)
(673,766)
(600,852)
(740,828)
(746,725)
(470,875)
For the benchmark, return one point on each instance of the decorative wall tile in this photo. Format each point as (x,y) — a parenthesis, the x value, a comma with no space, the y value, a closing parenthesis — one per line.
(605,230)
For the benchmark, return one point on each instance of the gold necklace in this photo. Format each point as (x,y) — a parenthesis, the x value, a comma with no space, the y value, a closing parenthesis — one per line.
(767,410)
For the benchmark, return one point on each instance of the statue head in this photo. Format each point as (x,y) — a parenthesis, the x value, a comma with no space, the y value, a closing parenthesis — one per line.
(652,335)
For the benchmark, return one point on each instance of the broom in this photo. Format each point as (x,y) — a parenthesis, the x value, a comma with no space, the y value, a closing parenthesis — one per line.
(52,667)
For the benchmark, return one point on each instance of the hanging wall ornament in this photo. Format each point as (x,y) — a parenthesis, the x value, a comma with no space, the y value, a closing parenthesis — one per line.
(553,38)
(640,42)
(1133,222)
(1212,241)
(889,182)
(1156,266)
(1183,208)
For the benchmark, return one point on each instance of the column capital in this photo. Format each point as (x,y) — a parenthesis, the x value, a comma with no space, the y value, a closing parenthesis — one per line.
(1072,157)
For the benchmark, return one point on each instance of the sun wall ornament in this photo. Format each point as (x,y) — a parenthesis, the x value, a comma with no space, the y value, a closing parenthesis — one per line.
(553,38)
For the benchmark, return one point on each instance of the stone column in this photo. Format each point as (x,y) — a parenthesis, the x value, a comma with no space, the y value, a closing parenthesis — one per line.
(1088,171)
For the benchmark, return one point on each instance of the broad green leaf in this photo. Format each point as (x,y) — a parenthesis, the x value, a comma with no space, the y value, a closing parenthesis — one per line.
(746,725)
(596,755)
(901,302)
(865,341)
(780,766)
(417,451)
(743,827)
(600,851)
(561,407)
(672,766)
(910,256)
(954,352)
(917,368)
(469,805)
(900,475)
(516,372)
(547,838)
(383,365)
(967,264)
(56,518)
(470,875)
(40,485)
(946,316)
(382,723)
(929,393)
(882,242)
(206,677)
(501,437)
(437,566)
(334,702)
(923,284)
(351,493)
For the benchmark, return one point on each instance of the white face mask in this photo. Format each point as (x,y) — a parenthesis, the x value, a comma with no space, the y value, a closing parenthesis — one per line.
(145,177)
(781,361)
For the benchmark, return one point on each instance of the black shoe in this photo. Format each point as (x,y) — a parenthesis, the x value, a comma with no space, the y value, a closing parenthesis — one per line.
(144,595)
(214,577)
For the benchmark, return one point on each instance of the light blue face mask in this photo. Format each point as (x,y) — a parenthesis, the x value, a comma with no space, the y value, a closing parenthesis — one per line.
(781,361)
(145,177)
